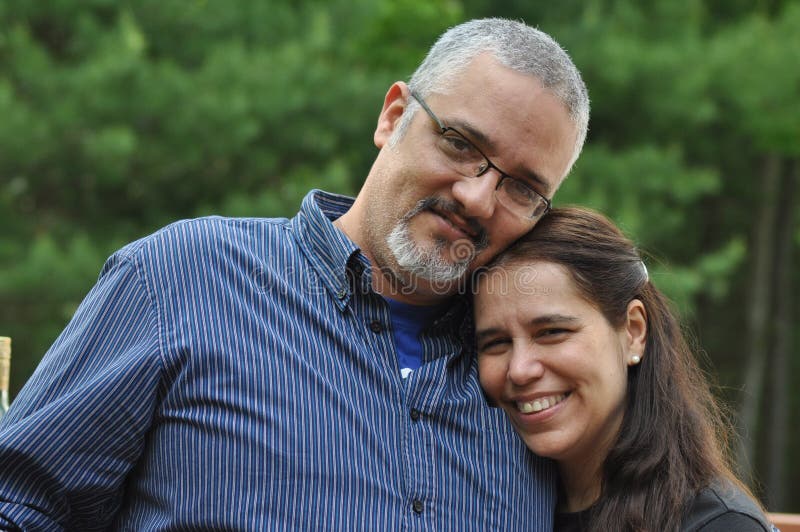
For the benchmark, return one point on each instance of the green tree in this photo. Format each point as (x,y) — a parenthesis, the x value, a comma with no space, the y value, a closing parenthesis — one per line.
(121,117)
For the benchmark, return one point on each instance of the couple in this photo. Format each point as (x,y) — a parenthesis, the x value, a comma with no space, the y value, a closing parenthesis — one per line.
(321,373)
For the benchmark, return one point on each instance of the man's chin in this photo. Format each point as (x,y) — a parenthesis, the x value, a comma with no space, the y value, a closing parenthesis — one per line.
(443,274)
(430,259)
(435,289)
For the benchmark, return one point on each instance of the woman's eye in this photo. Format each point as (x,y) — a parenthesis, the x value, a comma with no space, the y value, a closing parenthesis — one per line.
(492,345)
(552,333)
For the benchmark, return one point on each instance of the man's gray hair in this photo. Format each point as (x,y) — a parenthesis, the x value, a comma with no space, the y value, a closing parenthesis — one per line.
(515,45)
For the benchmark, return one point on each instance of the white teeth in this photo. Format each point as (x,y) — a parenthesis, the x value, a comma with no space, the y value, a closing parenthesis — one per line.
(542,403)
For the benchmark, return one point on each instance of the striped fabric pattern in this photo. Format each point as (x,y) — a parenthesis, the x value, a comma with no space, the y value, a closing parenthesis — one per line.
(237,374)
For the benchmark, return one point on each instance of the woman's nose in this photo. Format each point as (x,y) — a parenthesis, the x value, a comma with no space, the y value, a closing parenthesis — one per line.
(524,366)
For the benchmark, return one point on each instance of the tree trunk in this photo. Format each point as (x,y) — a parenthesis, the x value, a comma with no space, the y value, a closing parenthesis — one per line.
(757,319)
(780,365)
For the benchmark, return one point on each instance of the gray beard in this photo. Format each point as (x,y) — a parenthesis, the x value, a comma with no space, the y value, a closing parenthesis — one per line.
(425,263)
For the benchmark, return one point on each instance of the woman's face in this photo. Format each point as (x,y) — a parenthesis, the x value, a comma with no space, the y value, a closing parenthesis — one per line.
(552,361)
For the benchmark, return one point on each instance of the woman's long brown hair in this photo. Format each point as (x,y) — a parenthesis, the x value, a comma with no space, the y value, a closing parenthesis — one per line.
(673,439)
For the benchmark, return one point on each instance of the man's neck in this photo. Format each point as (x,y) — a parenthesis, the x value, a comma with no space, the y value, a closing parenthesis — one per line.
(414,291)
(385,280)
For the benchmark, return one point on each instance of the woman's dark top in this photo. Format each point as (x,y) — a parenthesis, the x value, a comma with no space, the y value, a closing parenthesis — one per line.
(717,508)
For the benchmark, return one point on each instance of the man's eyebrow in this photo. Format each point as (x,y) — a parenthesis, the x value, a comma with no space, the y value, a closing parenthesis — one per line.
(487,144)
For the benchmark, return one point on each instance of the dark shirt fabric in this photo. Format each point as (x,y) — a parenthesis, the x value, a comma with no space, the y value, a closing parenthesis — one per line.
(571,521)
(720,507)
(240,374)
(723,507)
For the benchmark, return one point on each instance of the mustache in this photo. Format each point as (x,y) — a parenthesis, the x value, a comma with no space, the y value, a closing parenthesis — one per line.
(481,237)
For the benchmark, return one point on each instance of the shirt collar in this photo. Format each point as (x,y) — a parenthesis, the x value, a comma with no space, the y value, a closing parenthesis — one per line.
(327,249)
(331,253)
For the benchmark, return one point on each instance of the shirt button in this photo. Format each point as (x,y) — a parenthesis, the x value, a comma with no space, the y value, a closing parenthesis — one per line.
(415,414)
(376,326)
(342,293)
(417,506)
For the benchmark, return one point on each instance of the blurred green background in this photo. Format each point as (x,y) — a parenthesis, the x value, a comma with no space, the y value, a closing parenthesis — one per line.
(119,117)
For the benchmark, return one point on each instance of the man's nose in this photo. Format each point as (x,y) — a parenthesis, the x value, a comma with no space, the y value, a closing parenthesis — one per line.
(476,194)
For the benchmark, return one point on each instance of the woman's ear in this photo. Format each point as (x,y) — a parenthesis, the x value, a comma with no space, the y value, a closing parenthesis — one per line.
(636,330)
(394,104)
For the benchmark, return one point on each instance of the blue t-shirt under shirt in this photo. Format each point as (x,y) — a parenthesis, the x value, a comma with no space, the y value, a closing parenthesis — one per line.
(408,321)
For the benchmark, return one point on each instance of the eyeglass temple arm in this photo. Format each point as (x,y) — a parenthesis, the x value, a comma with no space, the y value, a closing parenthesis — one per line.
(428,110)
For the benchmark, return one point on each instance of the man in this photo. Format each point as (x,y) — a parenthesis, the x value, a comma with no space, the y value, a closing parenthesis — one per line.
(308,374)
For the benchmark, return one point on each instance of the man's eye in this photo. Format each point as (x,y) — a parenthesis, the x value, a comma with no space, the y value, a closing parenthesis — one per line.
(458,146)
(519,190)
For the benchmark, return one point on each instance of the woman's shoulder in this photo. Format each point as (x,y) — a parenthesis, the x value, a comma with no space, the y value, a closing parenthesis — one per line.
(724,507)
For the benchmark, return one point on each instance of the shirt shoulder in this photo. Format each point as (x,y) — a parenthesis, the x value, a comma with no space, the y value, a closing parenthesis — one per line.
(206,256)
(732,521)
(201,243)
(184,233)
(724,507)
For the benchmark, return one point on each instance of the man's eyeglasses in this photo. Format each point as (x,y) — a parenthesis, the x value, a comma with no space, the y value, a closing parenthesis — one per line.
(466,159)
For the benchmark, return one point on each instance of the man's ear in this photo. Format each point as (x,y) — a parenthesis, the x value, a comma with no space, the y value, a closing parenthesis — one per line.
(636,329)
(394,104)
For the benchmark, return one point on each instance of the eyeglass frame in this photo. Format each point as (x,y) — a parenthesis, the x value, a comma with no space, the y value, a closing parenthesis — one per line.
(489,164)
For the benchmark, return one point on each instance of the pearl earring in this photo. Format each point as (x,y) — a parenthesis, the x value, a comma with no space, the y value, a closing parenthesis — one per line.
(635,359)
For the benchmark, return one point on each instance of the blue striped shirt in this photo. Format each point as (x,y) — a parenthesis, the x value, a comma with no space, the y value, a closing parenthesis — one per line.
(238,374)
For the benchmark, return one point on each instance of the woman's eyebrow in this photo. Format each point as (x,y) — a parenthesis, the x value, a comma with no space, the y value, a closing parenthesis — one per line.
(547,319)
(486,333)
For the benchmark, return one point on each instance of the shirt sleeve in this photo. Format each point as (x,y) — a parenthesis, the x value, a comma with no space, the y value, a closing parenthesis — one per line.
(733,522)
(78,426)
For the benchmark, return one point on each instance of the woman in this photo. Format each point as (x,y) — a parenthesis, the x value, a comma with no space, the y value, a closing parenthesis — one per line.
(584,355)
